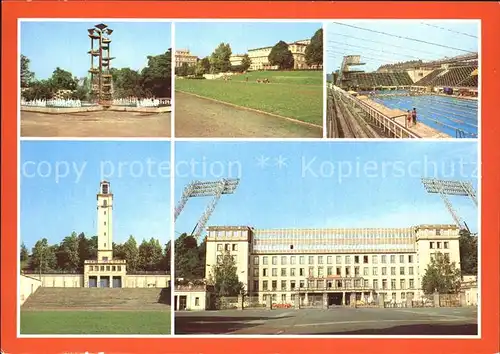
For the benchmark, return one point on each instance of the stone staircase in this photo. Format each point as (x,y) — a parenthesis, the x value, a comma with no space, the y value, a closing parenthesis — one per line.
(97,298)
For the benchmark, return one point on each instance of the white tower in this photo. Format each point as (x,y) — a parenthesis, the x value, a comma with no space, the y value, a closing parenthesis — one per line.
(104,223)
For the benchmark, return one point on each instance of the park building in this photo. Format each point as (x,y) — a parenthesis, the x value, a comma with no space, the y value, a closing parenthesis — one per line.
(259,56)
(184,56)
(103,272)
(236,59)
(339,265)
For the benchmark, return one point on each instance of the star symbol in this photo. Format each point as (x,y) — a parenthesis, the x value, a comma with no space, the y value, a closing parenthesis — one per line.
(281,162)
(262,161)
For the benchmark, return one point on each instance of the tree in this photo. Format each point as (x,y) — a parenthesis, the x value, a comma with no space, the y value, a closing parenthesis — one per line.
(150,255)
(314,50)
(131,254)
(281,56)
(441,276)
(43,257)
(224,277)
(27,76)
(205,63)
(183,70)
(220,59)
(245,62)
(23,254)
(157,75)
(186,256)
(468,253)
(127,83)
(39,90)
(68,257)
(63,80)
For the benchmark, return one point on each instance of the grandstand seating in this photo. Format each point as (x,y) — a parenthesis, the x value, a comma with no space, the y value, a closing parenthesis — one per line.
(452,77)
(369,80)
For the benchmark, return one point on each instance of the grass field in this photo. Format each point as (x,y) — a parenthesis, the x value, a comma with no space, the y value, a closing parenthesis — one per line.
(293,94)
(95,322)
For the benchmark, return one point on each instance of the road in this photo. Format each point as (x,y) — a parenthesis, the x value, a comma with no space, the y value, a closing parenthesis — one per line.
(95,124)
(338,321)
(199,117)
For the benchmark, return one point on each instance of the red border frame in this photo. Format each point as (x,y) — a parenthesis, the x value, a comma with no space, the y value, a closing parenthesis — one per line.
(489,13)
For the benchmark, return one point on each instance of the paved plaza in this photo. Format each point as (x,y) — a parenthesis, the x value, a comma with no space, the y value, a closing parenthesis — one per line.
(334,321)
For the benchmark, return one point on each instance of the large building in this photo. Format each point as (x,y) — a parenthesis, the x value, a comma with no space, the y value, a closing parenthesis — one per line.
(184,56)
(236,59)
(339,264)
(259,56)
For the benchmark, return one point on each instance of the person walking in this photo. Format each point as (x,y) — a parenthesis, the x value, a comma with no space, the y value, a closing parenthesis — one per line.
(409,118)
(414,116)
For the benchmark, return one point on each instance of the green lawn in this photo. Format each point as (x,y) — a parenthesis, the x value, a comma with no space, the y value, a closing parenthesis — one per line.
(294,94)
(95,322)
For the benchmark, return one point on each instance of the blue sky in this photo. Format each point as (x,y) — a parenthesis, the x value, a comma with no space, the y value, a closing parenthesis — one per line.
(201,38)
(53,207)
(341,184)
(65,44)
(391,49)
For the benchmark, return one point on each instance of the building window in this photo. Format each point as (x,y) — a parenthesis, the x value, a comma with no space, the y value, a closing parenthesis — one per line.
(410,258)
(274,285)
(438,232)
(108,268)
(264,285)
(105,223)
(105,259)
(256,260)
(320,272)
(292,272)
(393,284)
(292,298)
(227,247)
(438,245)
(264,272)
(311,260)
(292,284)
(338,260)
(283,298)
(235,246)
(384,259)
(347,259)
(235,259)
(275,260)
(374,259)
(301,260)
(402,284)
(301,272)
(338,271)
(311,271)
(410,270)
(393,270)
(292,260)
(329,271)
(447,256)
(275,272)
(219,259)
(113,268)
(375,271)
(356,259)
(401,258)
(347,271)
(356,271)
(302,284)
(320,259)
(283,260)
(401,270)
(255,285)
(365,259)
(219,247)
(403,296)
(411,284)
(283,285)
(384,270)
(256,272)
(283,272)
(393,258)
(446,245)
(375,284)
(104,235)
(91,268)
(384,284)
(366,284)
(104,212)
(119,268)
(196,301)
(329,260)
(366,271)
(264,260)
(431,245)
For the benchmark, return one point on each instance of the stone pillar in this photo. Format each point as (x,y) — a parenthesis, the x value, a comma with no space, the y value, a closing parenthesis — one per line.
(325,301)
(306,300)
(463,300)
(343,298)
(436,299)
(269,303)
(381,300)
(353,300)
(98,285)
(297,301)
(241,305)
(409,300)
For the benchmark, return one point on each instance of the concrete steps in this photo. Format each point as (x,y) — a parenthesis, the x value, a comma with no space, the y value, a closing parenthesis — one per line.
(94,298)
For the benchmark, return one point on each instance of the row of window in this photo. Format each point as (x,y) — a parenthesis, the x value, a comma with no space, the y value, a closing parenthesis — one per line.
(330,271)
(439,245)
(284,297)
(105,268)
(348,259)
(384,284)
(227,247)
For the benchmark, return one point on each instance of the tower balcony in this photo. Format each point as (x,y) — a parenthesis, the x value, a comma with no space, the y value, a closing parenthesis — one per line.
(96,261)
(93,52)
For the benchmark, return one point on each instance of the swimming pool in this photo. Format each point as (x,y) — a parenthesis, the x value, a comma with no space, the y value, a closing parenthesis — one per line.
(446,114)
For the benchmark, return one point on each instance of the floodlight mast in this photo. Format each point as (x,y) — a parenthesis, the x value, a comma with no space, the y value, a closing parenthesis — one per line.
(213,189)
(447,187)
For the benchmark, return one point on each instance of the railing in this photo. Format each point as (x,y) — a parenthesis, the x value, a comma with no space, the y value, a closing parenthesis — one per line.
(382,120)
(112,261)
